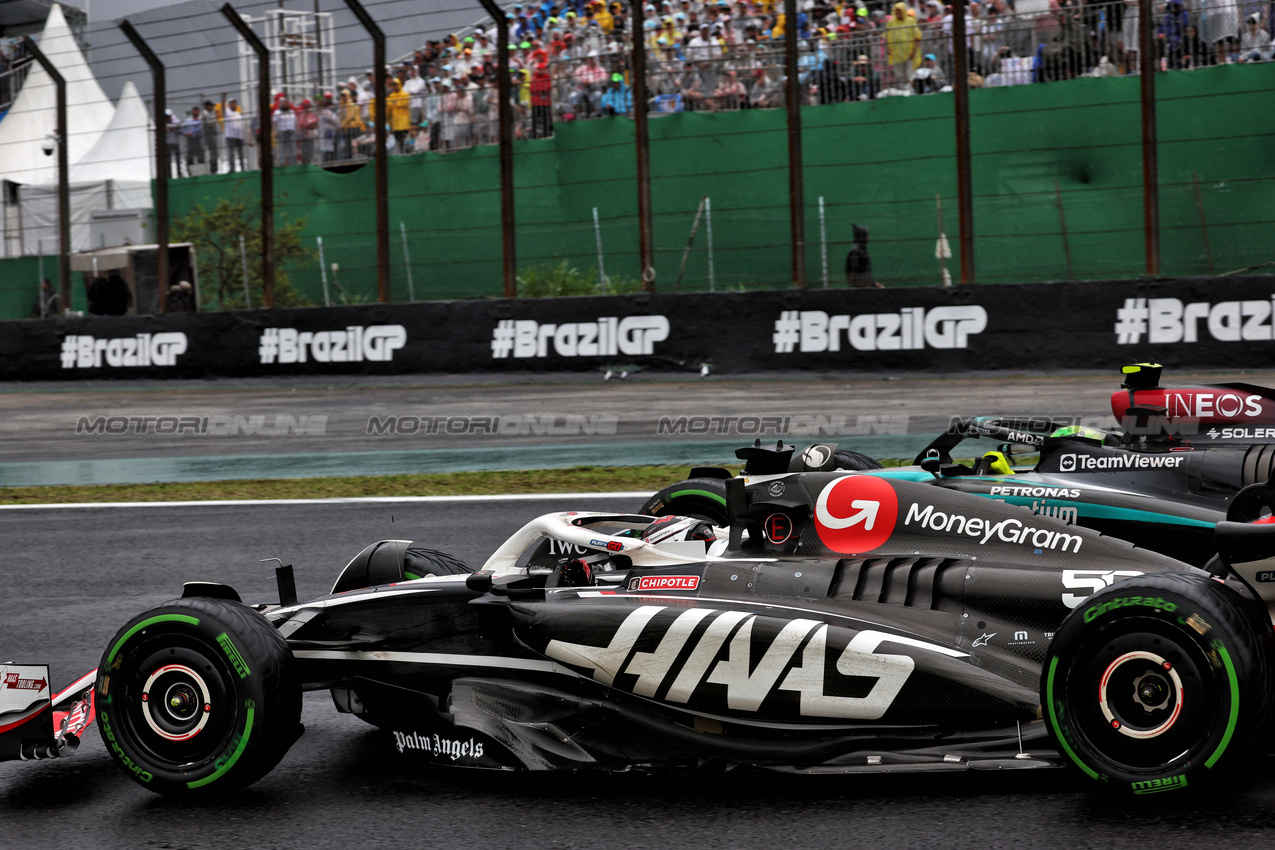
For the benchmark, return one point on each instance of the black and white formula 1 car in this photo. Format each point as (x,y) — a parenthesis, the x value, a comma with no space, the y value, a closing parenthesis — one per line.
(837,624)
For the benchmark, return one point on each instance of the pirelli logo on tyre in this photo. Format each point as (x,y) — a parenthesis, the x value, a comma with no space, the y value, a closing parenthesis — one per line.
(232,653)
(1155,786)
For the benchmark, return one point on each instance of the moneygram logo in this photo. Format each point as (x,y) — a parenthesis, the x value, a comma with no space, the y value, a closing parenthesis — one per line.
(910,329)
(1168,320)
(606,337)
(1086,463)
(984,530)
(80,351)
(355,344)
(856,514)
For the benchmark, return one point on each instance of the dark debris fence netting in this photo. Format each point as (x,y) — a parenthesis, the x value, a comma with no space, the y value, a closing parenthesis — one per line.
(1055,133)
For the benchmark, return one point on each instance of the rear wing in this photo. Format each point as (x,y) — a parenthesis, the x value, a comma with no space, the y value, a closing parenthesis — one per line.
(36,723)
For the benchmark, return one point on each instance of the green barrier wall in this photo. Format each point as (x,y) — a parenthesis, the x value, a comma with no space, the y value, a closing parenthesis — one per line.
(1042,155)
(20,285)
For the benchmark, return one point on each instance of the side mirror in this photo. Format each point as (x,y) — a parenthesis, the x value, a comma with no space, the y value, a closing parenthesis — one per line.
(931,463)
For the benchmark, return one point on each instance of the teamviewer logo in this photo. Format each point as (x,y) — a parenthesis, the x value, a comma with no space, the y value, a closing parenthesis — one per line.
(1067,463)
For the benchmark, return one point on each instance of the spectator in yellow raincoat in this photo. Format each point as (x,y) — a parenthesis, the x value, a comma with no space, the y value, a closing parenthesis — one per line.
(602,16)
(399,106)
(351,125)
(902,44)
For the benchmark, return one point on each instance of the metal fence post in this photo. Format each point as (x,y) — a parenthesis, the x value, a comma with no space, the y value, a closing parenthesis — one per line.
(796,187)
(506,117)
(381,84)
(964,182)
(646,248)
(1150,156)
(64,175)
(266,147)
(160,95)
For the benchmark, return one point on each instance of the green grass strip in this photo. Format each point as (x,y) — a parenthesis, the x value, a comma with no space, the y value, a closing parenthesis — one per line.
(580,479)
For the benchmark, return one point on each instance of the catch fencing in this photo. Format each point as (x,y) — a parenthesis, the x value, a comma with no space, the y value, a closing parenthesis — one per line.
(1056,163)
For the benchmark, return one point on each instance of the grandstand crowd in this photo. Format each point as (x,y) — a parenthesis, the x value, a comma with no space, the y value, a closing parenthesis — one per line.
(571,61)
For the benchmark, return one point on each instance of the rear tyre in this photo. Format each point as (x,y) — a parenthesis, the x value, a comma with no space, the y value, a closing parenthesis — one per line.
(1160,683)
(702,498)
(855,461)
(198,697)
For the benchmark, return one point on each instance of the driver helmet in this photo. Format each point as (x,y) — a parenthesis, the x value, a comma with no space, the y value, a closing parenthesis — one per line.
(1093,436)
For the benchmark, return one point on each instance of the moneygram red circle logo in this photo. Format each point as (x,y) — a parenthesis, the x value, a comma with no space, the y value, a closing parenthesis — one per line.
(856,514)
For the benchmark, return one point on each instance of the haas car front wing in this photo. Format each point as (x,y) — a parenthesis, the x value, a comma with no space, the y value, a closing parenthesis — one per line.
(37,724)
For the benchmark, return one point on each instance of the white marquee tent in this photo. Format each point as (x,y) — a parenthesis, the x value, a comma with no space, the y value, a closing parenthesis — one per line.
(108,149)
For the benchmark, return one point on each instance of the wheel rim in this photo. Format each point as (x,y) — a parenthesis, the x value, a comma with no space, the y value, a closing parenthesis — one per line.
(1141,695)
(1143,698)
(177,702)
(178,708)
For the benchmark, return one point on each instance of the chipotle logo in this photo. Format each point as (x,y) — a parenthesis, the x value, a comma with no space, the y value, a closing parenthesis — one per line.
(664,583)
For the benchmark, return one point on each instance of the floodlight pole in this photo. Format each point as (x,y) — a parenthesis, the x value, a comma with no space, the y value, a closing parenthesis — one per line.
(506,115)
(160,85)
(64,174)
(381,84)
(267,150)
(796,186)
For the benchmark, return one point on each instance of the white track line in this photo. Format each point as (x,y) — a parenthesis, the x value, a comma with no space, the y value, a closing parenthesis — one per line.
(513,497)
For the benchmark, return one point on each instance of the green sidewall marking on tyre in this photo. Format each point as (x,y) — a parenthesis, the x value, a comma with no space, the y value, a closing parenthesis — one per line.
(234,757)
(162,618)
(1235,704)
(1053,719)
(705,493)
(232,652)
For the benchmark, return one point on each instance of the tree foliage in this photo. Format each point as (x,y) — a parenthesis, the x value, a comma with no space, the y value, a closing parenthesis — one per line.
(215,234)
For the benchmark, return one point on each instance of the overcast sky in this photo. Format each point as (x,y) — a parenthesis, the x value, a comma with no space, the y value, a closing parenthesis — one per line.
(200,48)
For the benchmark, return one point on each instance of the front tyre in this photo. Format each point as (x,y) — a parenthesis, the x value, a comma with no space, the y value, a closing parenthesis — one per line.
(1159,683)
(198,697)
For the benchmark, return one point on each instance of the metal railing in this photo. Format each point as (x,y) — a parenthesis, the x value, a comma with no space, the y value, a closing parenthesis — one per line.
(15,62)
(452,107)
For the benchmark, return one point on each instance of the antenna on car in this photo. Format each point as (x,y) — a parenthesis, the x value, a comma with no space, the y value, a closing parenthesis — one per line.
(285,580)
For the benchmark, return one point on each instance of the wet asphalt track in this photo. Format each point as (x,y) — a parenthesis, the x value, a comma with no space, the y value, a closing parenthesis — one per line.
(72,576)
